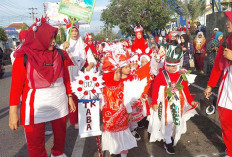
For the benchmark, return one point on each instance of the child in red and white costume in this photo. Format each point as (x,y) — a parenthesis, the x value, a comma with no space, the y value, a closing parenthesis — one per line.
(136,116)
(139,45)
(44,85)
(158,60)
(172,103)
(91,52)
(116,136)
(222,65)
(22,36)
(134,64)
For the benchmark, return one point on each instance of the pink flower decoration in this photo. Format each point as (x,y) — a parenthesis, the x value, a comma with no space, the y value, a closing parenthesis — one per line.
(183,71)
(173,90)
(173,85)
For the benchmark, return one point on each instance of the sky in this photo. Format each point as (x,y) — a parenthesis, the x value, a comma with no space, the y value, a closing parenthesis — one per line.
(17,11)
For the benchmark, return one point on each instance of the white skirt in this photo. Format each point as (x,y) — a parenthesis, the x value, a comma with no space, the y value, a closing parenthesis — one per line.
(115,142)
(49,103)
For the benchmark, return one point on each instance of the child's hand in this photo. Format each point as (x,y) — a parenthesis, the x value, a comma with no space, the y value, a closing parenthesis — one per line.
(155,107)
(66,45)
(194,103)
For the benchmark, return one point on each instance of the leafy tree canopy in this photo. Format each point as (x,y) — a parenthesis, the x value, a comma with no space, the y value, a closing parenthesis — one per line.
(127,14)
(3,36)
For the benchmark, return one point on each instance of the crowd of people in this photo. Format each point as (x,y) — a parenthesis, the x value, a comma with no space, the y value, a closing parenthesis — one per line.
(42,73)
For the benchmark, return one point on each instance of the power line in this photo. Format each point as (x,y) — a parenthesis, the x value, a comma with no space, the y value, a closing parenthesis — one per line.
(32,13)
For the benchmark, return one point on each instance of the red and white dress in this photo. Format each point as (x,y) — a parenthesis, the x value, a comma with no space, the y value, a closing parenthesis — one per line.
(116,136)
(159,120)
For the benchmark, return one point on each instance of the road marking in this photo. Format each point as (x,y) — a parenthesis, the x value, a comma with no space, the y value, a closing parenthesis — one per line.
(202,89)
(79,147)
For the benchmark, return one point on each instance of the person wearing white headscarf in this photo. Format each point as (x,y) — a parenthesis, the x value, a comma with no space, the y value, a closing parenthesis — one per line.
(199,45)
(76,51)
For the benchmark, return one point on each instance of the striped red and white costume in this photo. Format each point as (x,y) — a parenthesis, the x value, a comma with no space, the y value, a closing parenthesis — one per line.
(224,101)
(34,107)
(43,84)
(39,106)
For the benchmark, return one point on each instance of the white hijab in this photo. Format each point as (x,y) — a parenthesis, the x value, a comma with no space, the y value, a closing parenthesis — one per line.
(76,52)
(199,40)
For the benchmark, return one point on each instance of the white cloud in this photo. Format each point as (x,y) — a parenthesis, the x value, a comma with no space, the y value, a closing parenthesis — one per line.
(99,8)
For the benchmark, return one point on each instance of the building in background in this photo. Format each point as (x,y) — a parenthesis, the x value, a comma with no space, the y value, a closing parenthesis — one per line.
(12,32)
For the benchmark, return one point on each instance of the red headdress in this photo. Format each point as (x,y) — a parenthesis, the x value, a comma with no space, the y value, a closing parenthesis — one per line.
(69,24)
(91,46)
(43,66)
(22,35)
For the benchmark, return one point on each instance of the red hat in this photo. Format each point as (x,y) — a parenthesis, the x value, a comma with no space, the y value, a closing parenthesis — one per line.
(22,35)
(229,15)
(110,64)
(88,37)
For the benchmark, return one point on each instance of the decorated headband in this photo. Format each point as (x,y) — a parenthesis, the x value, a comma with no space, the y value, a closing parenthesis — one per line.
(138,29)
(88,36)
(68,24)
(39,22)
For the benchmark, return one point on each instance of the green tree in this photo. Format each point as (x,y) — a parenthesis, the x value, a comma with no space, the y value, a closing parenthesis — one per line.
(24,27)
(104,34)
(3,36)
(61,38)
(127,14)
(192,9)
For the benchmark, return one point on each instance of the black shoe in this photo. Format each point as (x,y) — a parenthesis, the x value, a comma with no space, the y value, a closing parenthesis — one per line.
(169,148)
(140,125)
(136,135)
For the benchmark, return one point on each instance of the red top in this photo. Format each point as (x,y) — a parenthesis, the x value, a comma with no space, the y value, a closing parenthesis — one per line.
(129,77)
(160,81)
(19,83)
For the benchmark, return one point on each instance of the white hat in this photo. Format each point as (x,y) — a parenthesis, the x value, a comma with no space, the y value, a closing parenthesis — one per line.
(215,29)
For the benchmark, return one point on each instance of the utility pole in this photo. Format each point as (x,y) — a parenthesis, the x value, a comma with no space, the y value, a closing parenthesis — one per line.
(32,13)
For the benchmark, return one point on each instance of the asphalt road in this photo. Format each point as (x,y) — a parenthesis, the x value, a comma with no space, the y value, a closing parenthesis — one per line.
(203,137)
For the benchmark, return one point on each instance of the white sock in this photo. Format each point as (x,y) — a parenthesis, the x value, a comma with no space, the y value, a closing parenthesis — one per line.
(123,155)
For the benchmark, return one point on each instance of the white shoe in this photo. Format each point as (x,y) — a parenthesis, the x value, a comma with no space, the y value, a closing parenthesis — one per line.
(47,133)
(62,155)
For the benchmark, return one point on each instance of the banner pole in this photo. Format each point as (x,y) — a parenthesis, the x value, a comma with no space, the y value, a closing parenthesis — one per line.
(99,146)
(72,20)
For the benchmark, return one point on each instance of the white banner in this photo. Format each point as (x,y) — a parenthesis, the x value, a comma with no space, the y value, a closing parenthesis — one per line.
(89,118)
(56,18)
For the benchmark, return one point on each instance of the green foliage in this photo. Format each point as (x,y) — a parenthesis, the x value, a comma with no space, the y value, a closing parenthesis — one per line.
(24,27)
(61,38)
(192,8)
(105,34)
(3,36)
(127,14)
(171,91)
